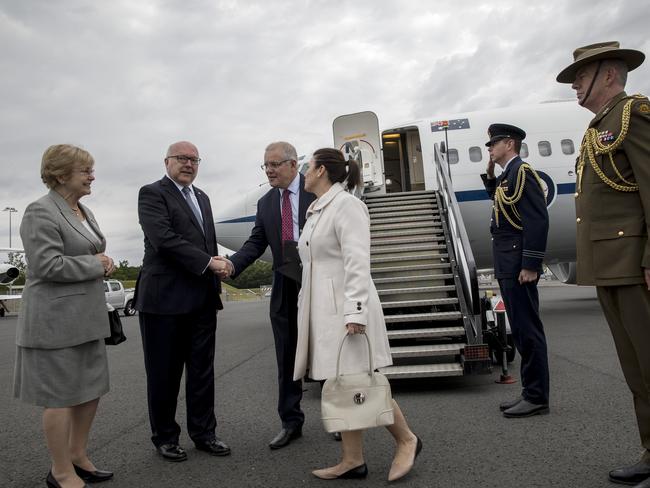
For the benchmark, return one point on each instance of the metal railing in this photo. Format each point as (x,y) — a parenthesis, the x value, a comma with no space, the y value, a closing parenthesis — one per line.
(462,251)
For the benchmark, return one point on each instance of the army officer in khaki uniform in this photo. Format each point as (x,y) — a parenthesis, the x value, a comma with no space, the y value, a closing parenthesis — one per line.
(613,217)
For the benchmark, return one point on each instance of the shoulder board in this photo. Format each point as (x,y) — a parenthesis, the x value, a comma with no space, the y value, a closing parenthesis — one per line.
(641,104)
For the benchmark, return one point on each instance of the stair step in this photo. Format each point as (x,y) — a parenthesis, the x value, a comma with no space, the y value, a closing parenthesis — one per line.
(407,279)
(399,203)
(404,218)
(422,370)
(427,350)
(406,248)
(419,303)
(422,317)
(401,194)
(419,257)
(426,333)
(418,289)
(402,212)
(409,268)
(424,207)
(418,231)
(406,240)
(434,225)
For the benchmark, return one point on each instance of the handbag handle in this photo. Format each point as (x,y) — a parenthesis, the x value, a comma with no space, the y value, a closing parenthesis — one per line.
(370,362)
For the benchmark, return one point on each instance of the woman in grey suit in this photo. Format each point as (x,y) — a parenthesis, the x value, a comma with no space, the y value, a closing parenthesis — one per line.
(61,357)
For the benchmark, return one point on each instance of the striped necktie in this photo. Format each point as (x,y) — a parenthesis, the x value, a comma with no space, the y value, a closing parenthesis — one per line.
(195,211)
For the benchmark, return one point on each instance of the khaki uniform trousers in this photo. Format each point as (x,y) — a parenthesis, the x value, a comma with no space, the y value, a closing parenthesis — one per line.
(627,310)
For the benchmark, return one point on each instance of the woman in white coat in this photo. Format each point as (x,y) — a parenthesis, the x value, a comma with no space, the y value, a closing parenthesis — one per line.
(338,297)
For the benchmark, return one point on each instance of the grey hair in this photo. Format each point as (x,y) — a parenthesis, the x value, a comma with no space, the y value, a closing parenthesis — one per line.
(288,151)
(620,67)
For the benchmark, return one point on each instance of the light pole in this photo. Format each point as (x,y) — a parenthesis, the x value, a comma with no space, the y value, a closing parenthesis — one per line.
(10,210)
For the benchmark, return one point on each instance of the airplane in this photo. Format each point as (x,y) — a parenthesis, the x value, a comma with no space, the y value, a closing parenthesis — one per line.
(8,274)
(401,158)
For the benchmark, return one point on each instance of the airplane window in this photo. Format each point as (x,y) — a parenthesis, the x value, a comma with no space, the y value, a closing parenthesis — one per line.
(567,146)
(544,148)
(524,150)
(475,154)
(453,156)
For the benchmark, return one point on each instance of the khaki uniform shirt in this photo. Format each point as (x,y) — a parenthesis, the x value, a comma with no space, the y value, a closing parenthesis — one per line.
(612,225)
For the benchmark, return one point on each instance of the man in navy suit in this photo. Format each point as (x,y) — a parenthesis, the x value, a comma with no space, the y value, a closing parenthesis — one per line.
(519,228)
(177,295)
(278,223)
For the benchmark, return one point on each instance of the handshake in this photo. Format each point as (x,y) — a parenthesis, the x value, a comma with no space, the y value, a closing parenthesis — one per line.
(221,267)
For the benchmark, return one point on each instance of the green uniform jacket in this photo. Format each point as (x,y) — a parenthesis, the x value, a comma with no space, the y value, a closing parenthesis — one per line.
(612,226)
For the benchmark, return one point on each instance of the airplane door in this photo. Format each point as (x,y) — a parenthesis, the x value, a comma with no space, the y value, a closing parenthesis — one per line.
(357,135)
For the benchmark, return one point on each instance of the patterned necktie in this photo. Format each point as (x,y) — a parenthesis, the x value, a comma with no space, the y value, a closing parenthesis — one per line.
(195,211)
(287,217)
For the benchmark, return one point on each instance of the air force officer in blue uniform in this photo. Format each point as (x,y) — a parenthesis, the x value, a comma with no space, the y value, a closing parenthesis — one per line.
(519,228)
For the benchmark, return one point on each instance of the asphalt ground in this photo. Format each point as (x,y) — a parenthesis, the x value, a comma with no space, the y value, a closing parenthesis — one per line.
(467,443)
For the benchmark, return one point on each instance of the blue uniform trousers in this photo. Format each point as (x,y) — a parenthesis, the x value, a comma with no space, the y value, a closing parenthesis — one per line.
(522,307)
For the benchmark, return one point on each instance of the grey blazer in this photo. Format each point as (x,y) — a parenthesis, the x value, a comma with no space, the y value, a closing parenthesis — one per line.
(63,299)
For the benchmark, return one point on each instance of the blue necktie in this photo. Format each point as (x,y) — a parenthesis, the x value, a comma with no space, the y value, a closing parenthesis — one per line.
(195,211)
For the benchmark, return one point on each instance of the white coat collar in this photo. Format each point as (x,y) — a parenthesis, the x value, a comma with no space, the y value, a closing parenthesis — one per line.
(320,203)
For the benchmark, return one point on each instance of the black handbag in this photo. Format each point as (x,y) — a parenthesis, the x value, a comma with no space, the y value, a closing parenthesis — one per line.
(117,334)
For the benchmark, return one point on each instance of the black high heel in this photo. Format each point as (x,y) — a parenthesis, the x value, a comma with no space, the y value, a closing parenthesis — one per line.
(51,481)
(92,476)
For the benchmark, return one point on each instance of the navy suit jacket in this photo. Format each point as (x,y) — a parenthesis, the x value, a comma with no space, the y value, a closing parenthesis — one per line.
(267,231)
(515,249)
(174,279)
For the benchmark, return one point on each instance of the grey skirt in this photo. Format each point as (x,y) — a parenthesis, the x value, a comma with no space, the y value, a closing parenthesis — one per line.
(65,377)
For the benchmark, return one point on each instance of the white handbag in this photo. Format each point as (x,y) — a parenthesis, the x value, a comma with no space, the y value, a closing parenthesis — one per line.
(356,401)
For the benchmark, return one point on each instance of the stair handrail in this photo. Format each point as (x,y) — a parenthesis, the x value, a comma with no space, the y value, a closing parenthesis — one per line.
(462,247)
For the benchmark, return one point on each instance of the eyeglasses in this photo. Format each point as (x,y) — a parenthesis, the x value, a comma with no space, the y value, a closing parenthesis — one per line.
(86,172)
(273,164)
(185,159)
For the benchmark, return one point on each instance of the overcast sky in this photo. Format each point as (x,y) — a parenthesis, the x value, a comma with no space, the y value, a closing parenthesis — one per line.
(125,78)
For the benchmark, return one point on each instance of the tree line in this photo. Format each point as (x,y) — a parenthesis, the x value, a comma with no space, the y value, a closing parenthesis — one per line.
(256,275)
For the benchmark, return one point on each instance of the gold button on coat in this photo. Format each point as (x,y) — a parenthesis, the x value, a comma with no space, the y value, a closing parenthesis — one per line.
(578,220)
(620,233)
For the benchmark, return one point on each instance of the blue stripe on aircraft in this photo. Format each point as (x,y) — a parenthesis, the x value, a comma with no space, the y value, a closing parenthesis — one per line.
(564,188)
(461,196)
(239,220)
(478,195)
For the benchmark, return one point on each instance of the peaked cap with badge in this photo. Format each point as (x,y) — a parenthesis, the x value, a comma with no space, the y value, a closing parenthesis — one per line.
(496,132)
(599,51)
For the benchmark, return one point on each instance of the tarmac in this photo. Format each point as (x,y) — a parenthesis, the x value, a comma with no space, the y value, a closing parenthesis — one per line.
(467,442)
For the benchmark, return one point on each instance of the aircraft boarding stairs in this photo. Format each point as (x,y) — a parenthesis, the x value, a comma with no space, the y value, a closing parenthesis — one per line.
(431,327)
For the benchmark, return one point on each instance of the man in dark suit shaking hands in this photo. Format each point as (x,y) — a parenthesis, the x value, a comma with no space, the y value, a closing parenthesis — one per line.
(278,223)
(177,295)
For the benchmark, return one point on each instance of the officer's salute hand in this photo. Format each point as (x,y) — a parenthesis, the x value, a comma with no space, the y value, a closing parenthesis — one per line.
(490,168)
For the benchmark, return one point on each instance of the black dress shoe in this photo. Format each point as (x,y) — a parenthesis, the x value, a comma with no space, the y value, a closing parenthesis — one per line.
(631,475)
(172,452)
(92,476)
(355,473)
(506,405)
(284,437)
(337,436)
(526,409)
(51,481)
(216,447)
